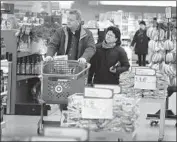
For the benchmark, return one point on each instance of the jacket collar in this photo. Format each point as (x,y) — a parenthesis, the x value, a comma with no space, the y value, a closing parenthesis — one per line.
(83,33)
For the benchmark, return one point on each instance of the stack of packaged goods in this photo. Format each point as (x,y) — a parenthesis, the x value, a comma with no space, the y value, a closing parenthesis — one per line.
(126,111)
(125,115)
(127,86)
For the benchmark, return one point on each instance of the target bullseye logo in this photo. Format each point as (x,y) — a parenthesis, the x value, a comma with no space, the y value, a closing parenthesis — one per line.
(58,89)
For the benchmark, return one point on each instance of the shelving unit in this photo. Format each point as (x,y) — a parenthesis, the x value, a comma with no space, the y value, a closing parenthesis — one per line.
(25,77)
(20,95)
(23,54)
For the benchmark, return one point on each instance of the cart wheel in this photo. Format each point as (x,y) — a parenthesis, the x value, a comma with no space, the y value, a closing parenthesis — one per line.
(160,140)
(120,140)
(40,129)
(154,123)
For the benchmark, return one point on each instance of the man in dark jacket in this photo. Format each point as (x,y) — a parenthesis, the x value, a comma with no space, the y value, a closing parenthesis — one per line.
(141,40)
(72,40)
(109,61)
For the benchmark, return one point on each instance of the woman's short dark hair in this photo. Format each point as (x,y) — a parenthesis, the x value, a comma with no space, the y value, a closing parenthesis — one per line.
(117,33)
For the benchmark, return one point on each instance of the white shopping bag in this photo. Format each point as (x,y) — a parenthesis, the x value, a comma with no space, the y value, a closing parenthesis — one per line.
(128,50)
(60,57)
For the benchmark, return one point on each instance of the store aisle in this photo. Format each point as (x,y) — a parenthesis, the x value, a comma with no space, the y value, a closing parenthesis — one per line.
(26,126)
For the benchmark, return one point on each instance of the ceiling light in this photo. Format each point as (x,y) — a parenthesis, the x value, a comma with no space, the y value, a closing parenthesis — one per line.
(140,3)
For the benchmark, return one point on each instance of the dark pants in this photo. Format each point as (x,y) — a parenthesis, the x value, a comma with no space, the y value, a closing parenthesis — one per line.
(142,60)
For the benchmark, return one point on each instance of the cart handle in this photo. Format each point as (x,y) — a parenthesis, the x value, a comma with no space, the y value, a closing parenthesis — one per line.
(64,75)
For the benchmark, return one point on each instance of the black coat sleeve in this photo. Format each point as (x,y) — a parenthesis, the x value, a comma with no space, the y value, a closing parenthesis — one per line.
(124,63)
(92,69)
(54,43)
(91,49)
(134,39)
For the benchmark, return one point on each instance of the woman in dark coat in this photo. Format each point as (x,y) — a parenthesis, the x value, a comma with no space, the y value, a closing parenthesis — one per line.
(141,40)
(109,61)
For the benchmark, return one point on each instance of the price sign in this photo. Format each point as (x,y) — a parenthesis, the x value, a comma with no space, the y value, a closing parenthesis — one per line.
(97,104)
(97,108)
(98,92)
(145,80)
(168,12)
(145,71)
(115,88)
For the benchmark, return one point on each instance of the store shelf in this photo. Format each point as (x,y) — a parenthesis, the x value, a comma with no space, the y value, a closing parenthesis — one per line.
(25,77)
(3,125)
(4,93)
(23,54)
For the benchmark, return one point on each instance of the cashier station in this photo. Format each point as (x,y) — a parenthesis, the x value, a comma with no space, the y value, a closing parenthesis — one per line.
(169,113)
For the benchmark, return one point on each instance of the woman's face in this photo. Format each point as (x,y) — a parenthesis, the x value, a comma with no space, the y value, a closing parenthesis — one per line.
(110,37)
(142,26)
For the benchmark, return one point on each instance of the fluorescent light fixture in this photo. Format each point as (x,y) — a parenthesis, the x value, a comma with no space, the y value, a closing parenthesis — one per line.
(65,4)
(62,4)
(140,3)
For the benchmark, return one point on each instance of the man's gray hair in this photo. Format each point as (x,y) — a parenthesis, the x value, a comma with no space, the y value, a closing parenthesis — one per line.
(77,13)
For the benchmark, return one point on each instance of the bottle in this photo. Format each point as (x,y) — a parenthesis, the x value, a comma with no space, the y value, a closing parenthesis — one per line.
(3,49)
(33,65)
(20,71)
(37,65)
(18,66)
(23,66)
(28,66)
(5,82)
(2,81)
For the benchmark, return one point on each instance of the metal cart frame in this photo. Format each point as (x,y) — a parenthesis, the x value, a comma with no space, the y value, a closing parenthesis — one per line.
(60,79)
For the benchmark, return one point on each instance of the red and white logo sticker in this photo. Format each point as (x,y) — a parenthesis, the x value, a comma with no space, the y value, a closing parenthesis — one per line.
(58,89)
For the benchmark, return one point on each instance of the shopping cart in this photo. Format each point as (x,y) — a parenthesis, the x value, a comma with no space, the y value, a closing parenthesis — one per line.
(59,80)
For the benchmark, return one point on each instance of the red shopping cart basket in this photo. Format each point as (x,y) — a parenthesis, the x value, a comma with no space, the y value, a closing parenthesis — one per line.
(61,79)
